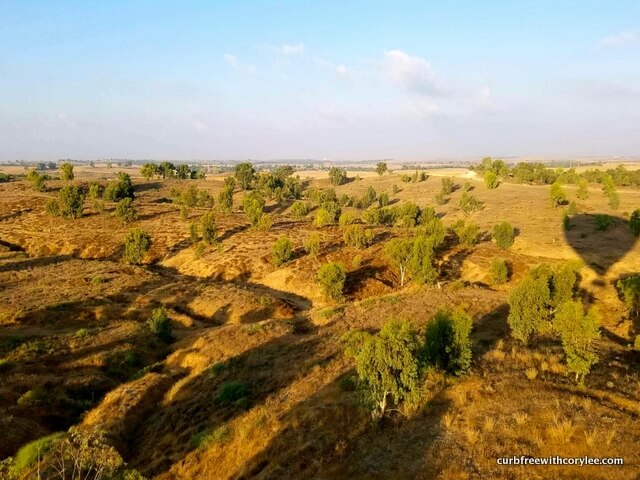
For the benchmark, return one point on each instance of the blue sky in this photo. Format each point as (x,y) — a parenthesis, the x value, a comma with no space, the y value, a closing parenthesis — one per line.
(322,79)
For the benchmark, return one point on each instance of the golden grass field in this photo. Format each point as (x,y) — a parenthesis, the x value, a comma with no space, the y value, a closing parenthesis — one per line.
(72,329)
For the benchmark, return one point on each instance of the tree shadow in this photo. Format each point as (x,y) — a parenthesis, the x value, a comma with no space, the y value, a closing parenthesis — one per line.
(490,328)
(356,279)
(147,185)
(232,231)
(32,263)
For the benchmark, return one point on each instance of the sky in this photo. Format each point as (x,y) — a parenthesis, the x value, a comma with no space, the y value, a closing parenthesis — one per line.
(336,80)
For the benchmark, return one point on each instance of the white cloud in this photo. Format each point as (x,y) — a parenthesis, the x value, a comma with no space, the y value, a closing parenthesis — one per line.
(233,61)
(620,39)
(414,74)
(292,50)
(342,70)
(199,125)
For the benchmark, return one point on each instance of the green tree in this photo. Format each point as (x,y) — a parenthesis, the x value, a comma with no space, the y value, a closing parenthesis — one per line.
(383,199)
(503,235)
(420,264)
(225,198)
(399,251)
(447,185)
(118,189)
(253,205)
(125,211)
(634,222)
(38,180)
(577,332)
(557,194)
(136,245)
(149,170)
(491,180)
(337,176)
(282,251)
(469,203)
(66,171)
(583,189)
(331,277)
(358,237)
(312,244)
(299,209)
(499,271)
(388,366)
(245,175)
(381,167)
(166,169)
(609,191)
(183,172)
(529,307)
(448,341)
(208,227)
(323,217)
(159,324)
(629,289)
(467,233)
(71,201)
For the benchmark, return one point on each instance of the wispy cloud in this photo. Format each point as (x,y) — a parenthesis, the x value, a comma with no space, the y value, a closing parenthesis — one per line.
(293,50)
(414,74)
(620,39)
(233,61)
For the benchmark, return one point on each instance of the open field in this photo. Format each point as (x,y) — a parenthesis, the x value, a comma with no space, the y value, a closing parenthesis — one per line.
(75,348)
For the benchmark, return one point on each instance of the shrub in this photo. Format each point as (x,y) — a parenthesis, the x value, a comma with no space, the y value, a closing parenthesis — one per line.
(53,208)
(119,189)
(208,227)
(557,195)
(346,218)
(371,216)
(528,307)
(299,209)
(136,245)
(491,180)
(323,217)
(381,167)
(503,235)
(629,289)
(388,366)
(447,185)
(577,332)
(125,211)
(583,191)
(331,277)
(32,452)
(609,191)
(159,323)
(468,233)
(194,236)
(356,236)
(337,175)
(469,203)
(369,197)
(66,171)
(232,392)
(312,244)
(37,180)
(499,271)
(225,196)
(282,251)
(264,223)
(71,201)
(253,205)
(603,222)
(395,189)
(440,198)
(383,199)
(447,341)
(634,222)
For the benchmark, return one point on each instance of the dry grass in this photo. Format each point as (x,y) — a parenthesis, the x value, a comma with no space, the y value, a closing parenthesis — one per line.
(266,328)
